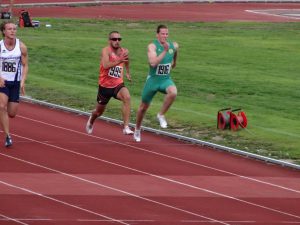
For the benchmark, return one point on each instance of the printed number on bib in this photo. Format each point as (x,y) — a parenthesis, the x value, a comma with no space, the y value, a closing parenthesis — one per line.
(115,72)
(163,69)
(9,66)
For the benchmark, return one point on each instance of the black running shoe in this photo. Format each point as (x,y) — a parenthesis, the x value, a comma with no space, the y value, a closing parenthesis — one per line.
(8,141)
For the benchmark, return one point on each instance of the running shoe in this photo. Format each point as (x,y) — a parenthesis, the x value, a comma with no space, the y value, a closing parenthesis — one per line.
(127,130)
(89,126)
(137,135)
(162,121)
(8,141)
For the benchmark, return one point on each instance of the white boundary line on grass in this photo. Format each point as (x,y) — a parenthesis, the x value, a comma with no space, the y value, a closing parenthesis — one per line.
(176,136)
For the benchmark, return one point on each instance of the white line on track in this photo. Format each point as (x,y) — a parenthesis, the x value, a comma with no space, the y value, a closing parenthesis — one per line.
(12,219)
(59,201)
(166,156)
(94,183)
(28,219)
(146,173)
(143,221)
(266,13)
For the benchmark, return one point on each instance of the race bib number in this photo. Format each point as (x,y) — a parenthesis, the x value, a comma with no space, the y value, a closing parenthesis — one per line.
(163,69)
(115,72)
(9,66)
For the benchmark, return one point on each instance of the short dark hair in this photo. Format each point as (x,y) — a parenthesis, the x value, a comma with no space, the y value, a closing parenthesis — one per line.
(161,26)
(113,32)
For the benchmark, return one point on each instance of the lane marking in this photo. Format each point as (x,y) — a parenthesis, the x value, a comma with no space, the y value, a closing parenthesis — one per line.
(97,184)
(12,219)
(150,221)
(29,219)
(62,202)
(268,12)
(139,171)
(166,156)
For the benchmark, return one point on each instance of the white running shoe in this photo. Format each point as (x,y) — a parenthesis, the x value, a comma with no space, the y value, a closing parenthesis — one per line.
(89,126)
(162,121)
(137,135)
(127,130)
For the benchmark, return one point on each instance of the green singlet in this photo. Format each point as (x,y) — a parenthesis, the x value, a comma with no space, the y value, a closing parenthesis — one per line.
(159,77)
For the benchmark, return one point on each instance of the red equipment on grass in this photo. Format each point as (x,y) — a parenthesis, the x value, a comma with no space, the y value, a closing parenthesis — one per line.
(25,19)
(228,119)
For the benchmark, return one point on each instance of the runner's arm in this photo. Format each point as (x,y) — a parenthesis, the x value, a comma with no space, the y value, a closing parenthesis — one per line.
(24,61)
(153,58)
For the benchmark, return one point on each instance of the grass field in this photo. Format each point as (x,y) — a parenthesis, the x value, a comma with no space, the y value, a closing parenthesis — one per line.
(253,66)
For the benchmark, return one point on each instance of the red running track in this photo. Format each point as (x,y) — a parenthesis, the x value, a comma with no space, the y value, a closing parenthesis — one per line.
(193,12)
(57,174)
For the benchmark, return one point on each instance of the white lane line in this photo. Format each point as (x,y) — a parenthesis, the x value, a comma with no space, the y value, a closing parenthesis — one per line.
(168,156)
(62,202)
(266,13)
(100,185)
(149,174)
(146,221)
(12,219)
(28,219)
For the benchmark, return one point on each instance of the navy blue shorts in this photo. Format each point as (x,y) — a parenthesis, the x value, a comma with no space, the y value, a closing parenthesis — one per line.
(12,90)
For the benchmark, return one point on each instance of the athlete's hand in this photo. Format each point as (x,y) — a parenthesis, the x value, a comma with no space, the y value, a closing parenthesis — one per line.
(128,76)
(124,57)
(22,88)
(166,46)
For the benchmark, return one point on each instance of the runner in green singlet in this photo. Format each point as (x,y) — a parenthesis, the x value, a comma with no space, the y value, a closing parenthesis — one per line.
(162,56)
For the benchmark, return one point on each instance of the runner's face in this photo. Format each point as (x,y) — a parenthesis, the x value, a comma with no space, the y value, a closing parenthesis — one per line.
(115,40)
(163,34)
(10,30)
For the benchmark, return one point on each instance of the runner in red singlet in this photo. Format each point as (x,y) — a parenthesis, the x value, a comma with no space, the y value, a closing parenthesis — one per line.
(114,59)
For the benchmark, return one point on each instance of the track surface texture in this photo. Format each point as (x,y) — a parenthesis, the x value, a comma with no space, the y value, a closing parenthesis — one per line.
(57,174)
(206,12)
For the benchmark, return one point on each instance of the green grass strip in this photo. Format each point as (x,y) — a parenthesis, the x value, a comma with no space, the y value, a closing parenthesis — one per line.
(253,66)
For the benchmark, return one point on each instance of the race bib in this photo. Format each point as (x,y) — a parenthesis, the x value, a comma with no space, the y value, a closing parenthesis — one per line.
(115,72)
(163,69)
(8,66)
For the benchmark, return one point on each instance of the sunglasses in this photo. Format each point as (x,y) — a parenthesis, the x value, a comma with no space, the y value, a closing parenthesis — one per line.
(116,39)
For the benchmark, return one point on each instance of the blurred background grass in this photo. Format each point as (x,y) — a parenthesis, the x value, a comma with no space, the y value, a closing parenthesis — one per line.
(253,66)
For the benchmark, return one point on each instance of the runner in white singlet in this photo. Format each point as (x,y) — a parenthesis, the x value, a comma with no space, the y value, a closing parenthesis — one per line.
(13,73)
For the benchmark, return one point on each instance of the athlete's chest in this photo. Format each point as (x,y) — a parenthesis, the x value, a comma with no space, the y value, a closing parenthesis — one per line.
(113,56)
(169,54)
(14,53)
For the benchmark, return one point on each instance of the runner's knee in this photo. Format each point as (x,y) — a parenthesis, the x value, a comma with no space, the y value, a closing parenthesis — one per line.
(3,107)
(172,94)
(172,91)
(126,98)
(143,108)
(12,114)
